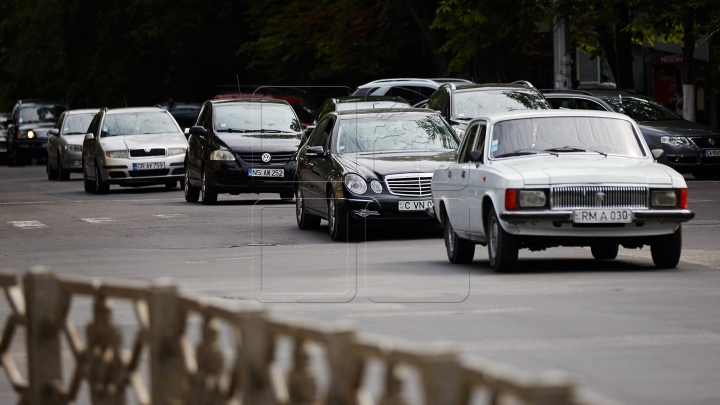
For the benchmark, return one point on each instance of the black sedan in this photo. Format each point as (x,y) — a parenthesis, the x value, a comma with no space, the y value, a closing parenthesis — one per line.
(28,126)
(370,167)
(242,146)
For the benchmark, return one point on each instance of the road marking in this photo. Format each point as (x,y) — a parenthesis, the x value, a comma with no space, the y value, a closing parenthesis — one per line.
(103,220)
(227,259)
(27,224)
(702,223)
(169,216)
(709,258)
(565,343)
(89,201)
(439,313)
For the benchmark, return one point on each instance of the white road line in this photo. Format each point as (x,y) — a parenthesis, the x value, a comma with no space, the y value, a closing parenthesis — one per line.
(227,259)
(102,220)
(591,342)
(169,216)
(439,313)
(88,201)
(27,224)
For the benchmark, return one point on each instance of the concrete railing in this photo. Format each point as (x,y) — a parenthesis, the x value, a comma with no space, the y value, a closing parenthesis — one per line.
(178,372)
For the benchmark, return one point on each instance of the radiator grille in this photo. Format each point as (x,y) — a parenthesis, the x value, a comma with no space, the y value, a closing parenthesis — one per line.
(149,173)
(707,142)
(275,157)
(142,153)
(409,185)
(599,196)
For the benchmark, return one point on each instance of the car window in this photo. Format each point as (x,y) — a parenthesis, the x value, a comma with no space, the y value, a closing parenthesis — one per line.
(470,137)
(476,103)
(138,123)
(77,124)
(40,113)
(642,109)
(559,102)
(440,102)
(255,117)
(324,109)
(202,117)
(92,128)
(410,93)
(528,136)
(583,104)
(318,133)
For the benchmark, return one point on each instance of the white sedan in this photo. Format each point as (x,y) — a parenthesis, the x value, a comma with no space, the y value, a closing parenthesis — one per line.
(535,180)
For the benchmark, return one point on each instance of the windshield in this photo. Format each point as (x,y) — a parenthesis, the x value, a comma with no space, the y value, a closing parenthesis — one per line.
(77,124)
(255,117)
(366,105)
(557,135)
(472,104)
(394,132)
(641,109)
(40,113)
(138,124)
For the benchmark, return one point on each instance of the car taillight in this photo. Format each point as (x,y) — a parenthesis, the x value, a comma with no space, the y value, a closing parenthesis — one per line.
(510,199)
(683,198)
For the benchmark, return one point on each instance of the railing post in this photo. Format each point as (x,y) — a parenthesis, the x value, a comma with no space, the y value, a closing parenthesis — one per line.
(167,376)
(42,292)
(257,353)
(346,366)
(441,377)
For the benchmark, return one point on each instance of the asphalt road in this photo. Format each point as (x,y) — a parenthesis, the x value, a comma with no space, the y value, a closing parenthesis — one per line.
(621,328)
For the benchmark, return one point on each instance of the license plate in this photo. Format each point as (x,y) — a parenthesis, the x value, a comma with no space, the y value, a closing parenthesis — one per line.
(712,152)
(602,216)
(148,165)
(414,205)
(266,172)
(76,163)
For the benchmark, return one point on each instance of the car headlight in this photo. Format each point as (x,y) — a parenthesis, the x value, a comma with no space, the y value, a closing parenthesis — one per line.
(674,140)
(355,183)
(376,186)
(117,154)
(663,198)
(176,151)
(222,155)
(531,198)
(30,134)
(73,148)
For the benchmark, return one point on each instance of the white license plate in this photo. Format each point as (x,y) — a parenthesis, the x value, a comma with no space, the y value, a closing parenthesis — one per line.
(414,205)
(266,172)
(602,216)
(712,152)
(148,165)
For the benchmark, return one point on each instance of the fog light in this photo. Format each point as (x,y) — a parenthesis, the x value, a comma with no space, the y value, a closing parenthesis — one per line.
(363,213)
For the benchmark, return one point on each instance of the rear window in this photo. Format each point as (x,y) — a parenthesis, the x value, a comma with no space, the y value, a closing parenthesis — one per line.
(472,104)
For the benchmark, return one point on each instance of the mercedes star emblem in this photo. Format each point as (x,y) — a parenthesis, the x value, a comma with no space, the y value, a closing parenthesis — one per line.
(416,164)
(266,157)
(147,150)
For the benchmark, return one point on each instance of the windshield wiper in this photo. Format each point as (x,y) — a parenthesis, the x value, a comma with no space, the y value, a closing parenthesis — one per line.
(523,152)
(575,149)
(74,133)
(462,118)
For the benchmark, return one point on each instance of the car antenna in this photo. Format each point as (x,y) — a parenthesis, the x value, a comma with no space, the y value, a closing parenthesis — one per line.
(125,98)
(237,77)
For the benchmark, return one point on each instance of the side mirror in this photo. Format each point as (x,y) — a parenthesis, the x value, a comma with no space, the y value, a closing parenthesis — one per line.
(53,131)
(198,130)
(315,151)
(657,153)
(475,156)
(89,137)
(307,131)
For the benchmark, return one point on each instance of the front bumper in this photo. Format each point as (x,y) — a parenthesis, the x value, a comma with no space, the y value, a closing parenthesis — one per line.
(71,161)
(120,171)
(567,216)
(30,147)
(232,177)
(384,207)
(689,159)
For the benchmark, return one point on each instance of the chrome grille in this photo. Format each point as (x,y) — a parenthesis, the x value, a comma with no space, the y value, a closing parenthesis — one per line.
(275,157)
(409,185)
(599,196)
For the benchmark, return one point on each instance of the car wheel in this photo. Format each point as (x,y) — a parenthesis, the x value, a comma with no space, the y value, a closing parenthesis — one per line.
(51,173)
(337,220)
(101,187)
(192,194)
(171,184)
(604,250)
(705,175)
(63,175)
(304,220)
(502,246)
(209,196)
(87,184)
(286,195)
(666,250)
(459,250)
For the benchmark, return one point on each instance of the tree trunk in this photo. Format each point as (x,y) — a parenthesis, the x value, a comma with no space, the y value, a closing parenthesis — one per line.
(688,72)
(422,21)
(617,46)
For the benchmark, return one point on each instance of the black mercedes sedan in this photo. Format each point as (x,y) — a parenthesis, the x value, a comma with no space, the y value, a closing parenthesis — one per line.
(242,146)
(370,167)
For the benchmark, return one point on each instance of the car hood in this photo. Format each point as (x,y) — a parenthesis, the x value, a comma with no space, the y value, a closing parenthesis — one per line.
(260,142)
(144,141)
(676,128)
(569,169)
(380,165)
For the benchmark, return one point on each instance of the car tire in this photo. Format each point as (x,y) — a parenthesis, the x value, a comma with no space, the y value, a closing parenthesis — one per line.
(666,250)
(459,250)
(305,221)
(192,194)
(51,173)
(87,184)
(286,195)
(209,196)
(63,174)
(101,187)
(705,175)
(171,184)
(605,250)
(337,220)
(502,246)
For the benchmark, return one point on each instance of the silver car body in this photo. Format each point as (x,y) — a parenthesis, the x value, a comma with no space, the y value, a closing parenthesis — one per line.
(64,146)
(152,148)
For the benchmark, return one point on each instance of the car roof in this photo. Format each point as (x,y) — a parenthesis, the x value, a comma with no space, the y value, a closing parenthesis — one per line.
(84,111)
(450,80)
(548,92)
(613,93)
(248,100)
(134,110)
(490,86)
(501,116)
(42,101)
(355,99)
(377,111)
(400,82)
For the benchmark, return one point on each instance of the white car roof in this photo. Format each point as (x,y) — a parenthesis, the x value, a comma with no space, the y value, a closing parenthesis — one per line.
(500,116)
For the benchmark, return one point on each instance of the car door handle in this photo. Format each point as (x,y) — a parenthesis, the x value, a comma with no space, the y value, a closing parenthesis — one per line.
(462,174)
(449,174)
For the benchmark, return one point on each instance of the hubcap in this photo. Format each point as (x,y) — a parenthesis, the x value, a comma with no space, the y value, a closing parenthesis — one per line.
(187,184)
(493,238)
(449,237)
(331,217)
(298,205)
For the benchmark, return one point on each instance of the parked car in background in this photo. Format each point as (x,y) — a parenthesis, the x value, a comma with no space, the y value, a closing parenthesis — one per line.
(133,147)
(689,147)
(65,140)
(575,100)
(242,145)
(302,108)
(459,104)
(412,90)
(3,136)
(370,167)
(185,114)
(28,126)
(559,178)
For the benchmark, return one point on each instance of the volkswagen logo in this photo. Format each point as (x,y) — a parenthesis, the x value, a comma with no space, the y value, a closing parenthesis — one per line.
(712,141)
(599,198)
(266,157)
